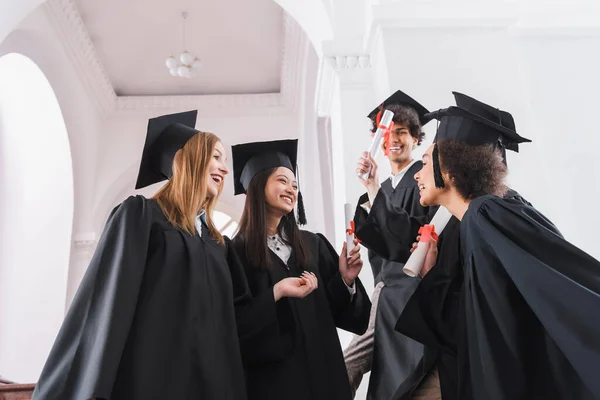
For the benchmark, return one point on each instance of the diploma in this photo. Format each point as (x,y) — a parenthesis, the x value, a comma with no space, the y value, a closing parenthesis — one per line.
(382,129)
(349,216)
(432,230)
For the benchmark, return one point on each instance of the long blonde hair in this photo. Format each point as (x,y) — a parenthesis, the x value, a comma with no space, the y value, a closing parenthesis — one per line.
(185,194)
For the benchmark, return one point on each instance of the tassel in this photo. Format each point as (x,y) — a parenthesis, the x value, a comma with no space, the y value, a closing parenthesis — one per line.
(301,212)
(437,172)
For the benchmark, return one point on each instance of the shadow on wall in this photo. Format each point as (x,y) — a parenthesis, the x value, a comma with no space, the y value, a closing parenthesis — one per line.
(36,215)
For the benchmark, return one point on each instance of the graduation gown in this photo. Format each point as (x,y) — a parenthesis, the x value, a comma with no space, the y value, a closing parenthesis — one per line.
(153,317)
(290,348)
(430,316)
(397,359)
(527,325)
(396,215)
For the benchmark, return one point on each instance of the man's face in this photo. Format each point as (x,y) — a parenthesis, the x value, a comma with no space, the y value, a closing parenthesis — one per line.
(402,144)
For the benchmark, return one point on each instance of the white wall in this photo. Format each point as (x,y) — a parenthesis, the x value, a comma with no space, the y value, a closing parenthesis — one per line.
(561,77)
(547,81)
(36,210)
(122,139)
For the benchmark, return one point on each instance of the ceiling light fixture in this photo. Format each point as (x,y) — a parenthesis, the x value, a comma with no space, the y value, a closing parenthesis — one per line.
(188,65)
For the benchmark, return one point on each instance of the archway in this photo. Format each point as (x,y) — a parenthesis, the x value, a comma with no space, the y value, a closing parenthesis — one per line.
(36,216)
(313,17)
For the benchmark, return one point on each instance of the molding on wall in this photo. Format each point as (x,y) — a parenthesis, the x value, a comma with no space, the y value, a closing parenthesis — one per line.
(67,21)
(354,61)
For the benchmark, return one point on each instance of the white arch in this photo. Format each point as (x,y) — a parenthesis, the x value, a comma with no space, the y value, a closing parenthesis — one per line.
(13,12)
(36,217)
(313,17)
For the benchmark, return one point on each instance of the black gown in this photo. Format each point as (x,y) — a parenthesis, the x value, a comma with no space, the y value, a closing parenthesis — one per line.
(397,359)
(153,317)
(396,215)
(291,348)
(444,284)
(525,325)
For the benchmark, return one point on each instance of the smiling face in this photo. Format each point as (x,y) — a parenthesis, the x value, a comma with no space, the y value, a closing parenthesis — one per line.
(217,169)
(402,144)
(430,194)
(281,191)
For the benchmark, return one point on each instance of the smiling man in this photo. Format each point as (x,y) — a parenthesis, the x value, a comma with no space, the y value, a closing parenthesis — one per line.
(397,362)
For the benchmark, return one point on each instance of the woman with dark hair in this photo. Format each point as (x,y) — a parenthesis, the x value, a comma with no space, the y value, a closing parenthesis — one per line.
(154,315)
(291,349)
(526,322)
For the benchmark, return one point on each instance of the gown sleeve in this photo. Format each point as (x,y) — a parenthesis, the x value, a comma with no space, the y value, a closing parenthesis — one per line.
(531,305)
(241,291)
(261,340)
(85,357)
(388,230)
(350,313)
(430,314)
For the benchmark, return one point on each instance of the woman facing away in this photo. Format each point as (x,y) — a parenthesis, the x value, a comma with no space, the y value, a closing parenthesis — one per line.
(154,315)
(525,325)
(292,350)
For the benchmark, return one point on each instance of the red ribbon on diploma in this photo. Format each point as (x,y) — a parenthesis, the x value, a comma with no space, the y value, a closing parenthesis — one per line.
(387,135)
(351,231)
(427,232)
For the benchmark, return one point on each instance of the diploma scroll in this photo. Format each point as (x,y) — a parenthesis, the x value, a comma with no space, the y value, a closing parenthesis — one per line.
(349,217)
(382,129)
(432,230)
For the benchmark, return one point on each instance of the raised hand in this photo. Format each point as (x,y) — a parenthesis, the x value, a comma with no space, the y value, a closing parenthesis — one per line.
(362,166)
(350,264)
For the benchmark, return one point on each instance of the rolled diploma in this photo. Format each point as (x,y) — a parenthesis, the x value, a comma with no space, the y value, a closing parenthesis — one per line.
(417,258)
(384,124)
(349,216)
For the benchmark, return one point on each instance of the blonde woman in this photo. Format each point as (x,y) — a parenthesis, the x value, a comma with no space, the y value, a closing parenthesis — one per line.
(154,315)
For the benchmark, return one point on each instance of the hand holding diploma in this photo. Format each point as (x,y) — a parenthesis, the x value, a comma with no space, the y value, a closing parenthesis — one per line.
(350,261)
(430,250)
(428,234)
(367,167)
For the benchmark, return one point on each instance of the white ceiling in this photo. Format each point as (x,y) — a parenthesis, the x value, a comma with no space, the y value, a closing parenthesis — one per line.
(239,43)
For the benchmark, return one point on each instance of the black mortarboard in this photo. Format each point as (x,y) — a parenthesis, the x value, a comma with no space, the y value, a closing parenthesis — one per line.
(166,135)
(405,100)
(486,111)
(459,124)
(251,158)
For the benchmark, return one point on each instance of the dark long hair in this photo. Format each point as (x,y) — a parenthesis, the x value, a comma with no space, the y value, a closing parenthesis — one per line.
(253,226)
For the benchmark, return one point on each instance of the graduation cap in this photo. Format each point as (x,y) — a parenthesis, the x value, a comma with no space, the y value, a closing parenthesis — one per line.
(486,111)
(166,135)
(251,158)
(402,99)
(455,123)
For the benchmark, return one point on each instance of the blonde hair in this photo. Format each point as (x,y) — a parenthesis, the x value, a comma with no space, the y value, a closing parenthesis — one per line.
(185,194)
